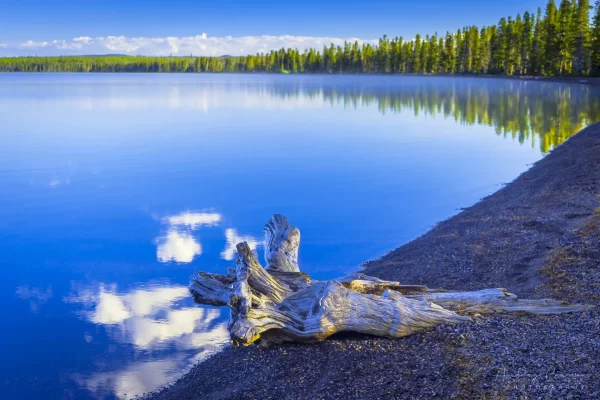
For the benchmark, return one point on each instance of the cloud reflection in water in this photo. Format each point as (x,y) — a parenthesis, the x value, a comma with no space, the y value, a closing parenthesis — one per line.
(35,296)
(233,239)
(178,244)
(134,380)
(152,320)
(168,333)
(194,220)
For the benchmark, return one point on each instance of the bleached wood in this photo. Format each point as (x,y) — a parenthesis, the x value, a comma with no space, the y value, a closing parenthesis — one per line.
(280,304)
(281,245)
(498,300)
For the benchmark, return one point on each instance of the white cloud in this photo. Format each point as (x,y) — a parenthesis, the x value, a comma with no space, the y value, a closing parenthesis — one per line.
(177,246)
(67,45)
(194,220)
(182,46)
(33,45)
(233,239)
(54,182)
(3,45)
(83,39)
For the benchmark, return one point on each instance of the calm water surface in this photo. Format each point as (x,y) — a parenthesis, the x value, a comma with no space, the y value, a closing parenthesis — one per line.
(114,188)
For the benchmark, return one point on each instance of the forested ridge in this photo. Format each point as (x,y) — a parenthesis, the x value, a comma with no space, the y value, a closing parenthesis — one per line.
(562,40)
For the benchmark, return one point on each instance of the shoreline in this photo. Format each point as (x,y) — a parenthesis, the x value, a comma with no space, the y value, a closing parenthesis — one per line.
(580,80)
(538,236)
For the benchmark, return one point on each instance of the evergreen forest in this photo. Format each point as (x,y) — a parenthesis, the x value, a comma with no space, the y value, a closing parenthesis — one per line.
(561,40)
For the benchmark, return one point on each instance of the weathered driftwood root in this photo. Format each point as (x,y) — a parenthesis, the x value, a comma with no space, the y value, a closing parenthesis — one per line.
(281,304)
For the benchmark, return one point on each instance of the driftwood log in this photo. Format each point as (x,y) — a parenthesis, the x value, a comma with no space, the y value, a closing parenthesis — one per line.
(281,304)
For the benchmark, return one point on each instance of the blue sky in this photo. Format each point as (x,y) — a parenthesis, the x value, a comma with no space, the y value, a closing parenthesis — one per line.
(60,20)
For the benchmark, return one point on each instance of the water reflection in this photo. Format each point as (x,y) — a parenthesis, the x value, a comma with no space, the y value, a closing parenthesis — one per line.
(134,380)
(109,307)
(233,239)
(521,109)
(158,320)
(36,296)
(516,108)
(142,377)
(345,157)
(178,245)
(194,220)
(152,319)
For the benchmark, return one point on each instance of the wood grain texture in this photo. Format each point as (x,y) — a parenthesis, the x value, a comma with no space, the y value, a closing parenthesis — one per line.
(281,304)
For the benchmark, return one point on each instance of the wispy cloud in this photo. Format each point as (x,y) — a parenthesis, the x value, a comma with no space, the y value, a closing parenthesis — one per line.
(35,295)
(162,46)
(194,220)
(33,45)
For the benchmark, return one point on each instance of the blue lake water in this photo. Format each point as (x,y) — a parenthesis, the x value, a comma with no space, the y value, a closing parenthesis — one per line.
(115,188)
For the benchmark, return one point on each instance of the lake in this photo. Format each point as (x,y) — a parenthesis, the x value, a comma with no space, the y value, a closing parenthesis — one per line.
(115,188)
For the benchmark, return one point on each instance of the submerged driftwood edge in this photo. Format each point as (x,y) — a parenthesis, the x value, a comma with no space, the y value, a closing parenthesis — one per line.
(281,304)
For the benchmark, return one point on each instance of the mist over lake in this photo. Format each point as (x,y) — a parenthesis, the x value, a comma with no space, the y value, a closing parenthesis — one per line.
(115,188)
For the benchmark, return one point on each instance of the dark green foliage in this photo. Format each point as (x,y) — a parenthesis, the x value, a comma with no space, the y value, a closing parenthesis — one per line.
(561,42)
(581,38)
(595,45)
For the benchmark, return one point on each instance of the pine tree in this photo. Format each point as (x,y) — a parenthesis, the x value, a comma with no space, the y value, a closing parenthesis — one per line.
(423,55)
(537,45)
(448,58)
(561,42)
(565,37)
(581,38)
(551,45)
(484,50)
(416,56)
(526,43)
(433,56)
(595,50)
(440,57)
(499,48)
(513,39)
(458,63)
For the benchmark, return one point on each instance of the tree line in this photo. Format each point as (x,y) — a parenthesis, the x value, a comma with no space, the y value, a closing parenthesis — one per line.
(561,41)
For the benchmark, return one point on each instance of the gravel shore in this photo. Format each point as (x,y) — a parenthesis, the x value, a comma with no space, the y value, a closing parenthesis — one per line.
(538,237)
